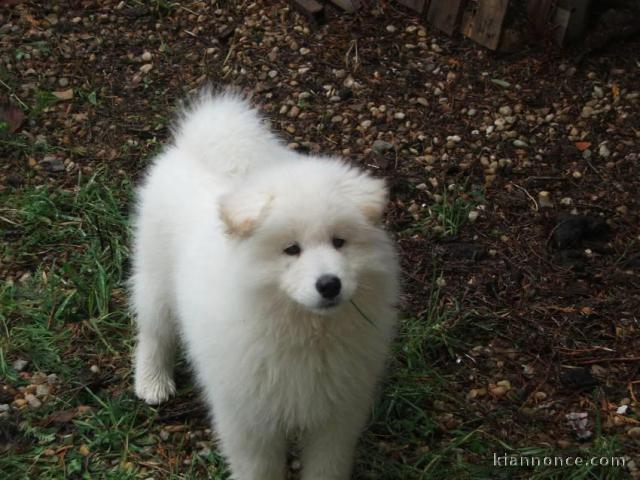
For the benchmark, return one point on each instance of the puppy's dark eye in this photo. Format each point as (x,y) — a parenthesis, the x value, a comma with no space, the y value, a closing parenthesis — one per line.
(338,242)
(293,250)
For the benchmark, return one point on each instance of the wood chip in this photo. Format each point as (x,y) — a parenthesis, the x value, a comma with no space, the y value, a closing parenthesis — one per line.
(64,94)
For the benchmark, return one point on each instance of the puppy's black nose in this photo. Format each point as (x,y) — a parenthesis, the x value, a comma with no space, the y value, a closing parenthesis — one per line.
(328,286)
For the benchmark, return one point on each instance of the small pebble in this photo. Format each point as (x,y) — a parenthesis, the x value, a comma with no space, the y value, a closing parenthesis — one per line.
(587,111)
(32,400)
(380,146)
(634,432)
(38,378)
(498,391)
(294,112)
(42,390)
(544,199)
(622,210)
(19,365)
(504,383)
(540,396)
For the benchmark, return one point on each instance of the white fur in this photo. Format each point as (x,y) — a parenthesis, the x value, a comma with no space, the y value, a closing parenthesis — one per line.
(217,210)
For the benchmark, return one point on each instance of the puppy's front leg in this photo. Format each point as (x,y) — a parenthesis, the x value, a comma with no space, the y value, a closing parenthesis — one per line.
(252,453)
(328,451)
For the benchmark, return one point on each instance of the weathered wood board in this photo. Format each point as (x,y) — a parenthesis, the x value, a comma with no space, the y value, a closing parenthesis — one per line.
(348,5)
(418,5)
(311,9)
(445,14)
(570,20)
(484,23)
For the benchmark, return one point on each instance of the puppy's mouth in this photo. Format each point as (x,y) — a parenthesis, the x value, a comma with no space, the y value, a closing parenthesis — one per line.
(325,306)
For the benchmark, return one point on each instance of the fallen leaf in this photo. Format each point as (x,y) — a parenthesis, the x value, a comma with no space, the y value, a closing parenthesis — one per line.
(64,94)
(501,83)
(615,91)
(12,116)
(62,416)
(582,146)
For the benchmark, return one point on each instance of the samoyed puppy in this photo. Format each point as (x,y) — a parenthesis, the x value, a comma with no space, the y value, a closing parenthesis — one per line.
(274,270)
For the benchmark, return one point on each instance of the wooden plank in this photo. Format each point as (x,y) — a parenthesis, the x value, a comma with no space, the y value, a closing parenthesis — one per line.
(484,23)
(445,14)
(416,5)
(570,20)
(311,10)
(348,5)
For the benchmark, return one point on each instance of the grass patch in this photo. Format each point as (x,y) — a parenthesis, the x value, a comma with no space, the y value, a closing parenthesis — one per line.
(67,250)
(450,213)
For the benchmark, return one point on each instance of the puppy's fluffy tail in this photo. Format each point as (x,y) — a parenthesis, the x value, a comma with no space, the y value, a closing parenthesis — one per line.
(227,135)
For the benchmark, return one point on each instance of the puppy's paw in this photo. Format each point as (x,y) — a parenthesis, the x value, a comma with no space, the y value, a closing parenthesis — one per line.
(154,389)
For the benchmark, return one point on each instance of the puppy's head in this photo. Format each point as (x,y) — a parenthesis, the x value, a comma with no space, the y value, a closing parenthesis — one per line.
(310,230)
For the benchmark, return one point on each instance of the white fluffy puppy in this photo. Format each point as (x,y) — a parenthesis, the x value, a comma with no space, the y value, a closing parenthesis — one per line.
(274,270)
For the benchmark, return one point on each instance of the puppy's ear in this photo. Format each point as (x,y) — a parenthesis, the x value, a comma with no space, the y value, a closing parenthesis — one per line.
(370,194)
(242,211)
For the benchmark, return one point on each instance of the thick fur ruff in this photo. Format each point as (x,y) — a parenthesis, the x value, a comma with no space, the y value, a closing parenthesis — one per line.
(232,233)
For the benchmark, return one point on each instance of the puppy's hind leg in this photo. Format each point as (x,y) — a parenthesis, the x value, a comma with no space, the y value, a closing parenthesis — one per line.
(154,357)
